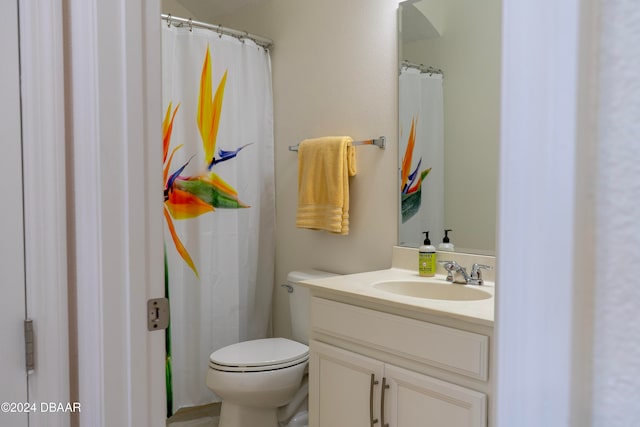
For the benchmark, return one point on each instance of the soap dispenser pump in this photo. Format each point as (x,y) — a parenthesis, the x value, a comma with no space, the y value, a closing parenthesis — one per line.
(427,257)
(446,245)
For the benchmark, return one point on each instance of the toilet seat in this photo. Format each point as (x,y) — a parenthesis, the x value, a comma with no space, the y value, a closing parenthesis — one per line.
(259,355)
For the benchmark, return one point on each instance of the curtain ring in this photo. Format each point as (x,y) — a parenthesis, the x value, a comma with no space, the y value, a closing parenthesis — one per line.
(190,25)
(169,21)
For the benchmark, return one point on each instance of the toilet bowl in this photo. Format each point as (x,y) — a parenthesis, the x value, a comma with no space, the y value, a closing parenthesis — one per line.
(257,378)
(254,378)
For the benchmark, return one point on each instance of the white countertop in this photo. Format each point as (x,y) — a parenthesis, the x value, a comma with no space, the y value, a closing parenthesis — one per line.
(360,286)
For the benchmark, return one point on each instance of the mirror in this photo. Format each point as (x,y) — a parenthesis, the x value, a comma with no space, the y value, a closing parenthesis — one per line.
(448,118)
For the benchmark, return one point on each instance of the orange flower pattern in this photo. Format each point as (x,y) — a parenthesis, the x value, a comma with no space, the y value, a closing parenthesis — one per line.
(191,196)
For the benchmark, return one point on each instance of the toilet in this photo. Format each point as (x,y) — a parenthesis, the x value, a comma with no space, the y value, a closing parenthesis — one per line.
(257,379)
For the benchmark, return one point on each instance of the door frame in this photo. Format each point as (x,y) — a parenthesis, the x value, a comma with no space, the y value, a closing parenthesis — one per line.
(545,252)
(92,156)
(44,198)
(113,83)
(13,388)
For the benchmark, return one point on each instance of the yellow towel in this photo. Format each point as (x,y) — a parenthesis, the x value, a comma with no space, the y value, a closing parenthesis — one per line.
(324,167)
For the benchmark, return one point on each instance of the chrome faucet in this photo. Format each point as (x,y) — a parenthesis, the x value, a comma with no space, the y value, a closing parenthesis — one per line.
(454,270)
(476,274)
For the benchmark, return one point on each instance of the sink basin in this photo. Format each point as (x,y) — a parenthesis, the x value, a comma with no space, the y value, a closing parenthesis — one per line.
(433,290)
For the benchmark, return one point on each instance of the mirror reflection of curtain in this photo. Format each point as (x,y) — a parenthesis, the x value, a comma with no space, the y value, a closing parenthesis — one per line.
(421,102)
(225,297)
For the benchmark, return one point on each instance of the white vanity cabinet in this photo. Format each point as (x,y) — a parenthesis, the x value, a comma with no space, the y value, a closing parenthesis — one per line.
(344,387)
(420,400)
(369,368)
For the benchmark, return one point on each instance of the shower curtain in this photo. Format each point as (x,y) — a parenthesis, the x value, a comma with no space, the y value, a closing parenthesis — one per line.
(219,201)
(421,144)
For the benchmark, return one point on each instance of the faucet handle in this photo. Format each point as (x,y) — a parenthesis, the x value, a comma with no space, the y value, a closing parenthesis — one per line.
(450,267)
(476,272)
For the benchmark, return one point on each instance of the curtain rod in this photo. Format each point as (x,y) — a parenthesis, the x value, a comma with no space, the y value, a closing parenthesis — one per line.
(422,68)
(179,22)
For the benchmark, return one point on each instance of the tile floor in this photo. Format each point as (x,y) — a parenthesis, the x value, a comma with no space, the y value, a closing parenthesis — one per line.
(203,416)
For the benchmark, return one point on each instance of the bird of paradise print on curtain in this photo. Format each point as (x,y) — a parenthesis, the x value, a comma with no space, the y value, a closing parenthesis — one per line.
(188,197)
(411,183)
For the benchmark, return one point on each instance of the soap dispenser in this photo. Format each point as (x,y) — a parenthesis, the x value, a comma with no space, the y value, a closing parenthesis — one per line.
(446,245)
(427,257)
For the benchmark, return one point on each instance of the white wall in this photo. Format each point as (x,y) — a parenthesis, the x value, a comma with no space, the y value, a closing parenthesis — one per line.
(468,51)
(174,8)
(616,361)
(334,73)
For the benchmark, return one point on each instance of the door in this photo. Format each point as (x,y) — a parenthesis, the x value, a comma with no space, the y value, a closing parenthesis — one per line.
(344,388)
(417,400)
(13,387)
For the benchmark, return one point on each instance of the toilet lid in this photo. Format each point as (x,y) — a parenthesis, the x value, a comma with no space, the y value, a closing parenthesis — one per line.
(263,353)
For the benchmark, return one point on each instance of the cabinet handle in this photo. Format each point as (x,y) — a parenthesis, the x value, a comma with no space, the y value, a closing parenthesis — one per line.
(373,382)
(384,387)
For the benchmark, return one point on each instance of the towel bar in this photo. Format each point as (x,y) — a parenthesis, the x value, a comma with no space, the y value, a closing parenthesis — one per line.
(378,142)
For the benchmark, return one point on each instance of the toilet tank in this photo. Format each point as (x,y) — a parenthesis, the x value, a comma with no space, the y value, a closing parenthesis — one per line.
(299,300)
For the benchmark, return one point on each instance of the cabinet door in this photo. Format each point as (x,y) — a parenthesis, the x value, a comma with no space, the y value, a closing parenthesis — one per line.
(417,400)
(344,388)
